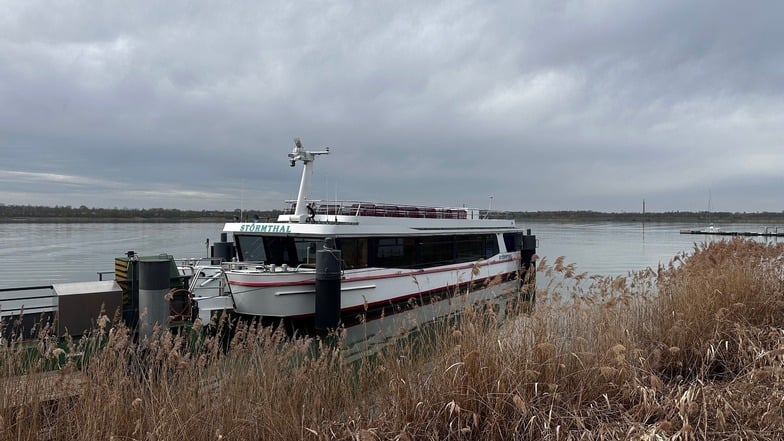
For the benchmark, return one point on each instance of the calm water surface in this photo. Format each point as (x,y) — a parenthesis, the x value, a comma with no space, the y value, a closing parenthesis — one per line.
(41,254)
(615,248)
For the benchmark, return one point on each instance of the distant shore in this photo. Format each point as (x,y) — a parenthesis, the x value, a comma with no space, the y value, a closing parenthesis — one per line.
(699,218)
(67,214)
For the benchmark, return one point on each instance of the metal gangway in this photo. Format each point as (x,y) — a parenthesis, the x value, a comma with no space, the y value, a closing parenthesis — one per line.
(207,283)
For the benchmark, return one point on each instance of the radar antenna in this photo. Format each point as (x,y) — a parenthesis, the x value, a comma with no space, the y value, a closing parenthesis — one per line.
(307,158)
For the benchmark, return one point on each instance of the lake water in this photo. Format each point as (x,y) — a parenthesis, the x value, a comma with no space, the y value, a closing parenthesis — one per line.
(615,248)
(42,254)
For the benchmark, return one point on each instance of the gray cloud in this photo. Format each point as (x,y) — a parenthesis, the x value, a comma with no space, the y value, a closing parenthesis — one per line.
(543,105)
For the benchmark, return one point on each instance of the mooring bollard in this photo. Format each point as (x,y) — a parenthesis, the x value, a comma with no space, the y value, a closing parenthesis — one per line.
(153,286)
(327,288)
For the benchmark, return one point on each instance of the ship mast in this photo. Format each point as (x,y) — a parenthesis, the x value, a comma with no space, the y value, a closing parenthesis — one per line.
(307,158)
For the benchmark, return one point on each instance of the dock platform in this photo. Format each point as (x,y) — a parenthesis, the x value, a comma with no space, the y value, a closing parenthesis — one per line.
(717,232)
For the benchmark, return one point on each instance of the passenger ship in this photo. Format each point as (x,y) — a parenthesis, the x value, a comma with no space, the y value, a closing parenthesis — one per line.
(387,254)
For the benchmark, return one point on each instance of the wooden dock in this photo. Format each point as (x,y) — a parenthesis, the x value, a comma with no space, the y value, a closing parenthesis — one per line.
(718,232)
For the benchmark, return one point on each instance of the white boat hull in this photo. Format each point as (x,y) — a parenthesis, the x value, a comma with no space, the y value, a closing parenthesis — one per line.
(292,293)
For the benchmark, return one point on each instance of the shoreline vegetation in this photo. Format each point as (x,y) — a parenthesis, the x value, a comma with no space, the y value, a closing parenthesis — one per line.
(60,214)
(691,350)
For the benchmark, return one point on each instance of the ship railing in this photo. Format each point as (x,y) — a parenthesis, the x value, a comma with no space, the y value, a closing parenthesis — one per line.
(209,283)
(358,208)
(261,266)
(203,275)
(194,262)
(244,265)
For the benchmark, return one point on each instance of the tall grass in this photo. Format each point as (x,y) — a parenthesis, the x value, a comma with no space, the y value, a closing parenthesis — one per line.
(692,350)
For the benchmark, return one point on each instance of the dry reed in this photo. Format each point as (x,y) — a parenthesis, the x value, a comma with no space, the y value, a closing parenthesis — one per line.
(692,350)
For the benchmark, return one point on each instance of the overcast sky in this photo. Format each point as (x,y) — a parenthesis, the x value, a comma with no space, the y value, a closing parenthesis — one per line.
(543,105)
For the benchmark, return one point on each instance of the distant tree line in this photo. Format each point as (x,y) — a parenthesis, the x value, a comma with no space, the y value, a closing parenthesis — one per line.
(33,213)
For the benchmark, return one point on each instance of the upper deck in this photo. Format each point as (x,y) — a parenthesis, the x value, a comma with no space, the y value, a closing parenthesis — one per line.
(372,209)
(351,218)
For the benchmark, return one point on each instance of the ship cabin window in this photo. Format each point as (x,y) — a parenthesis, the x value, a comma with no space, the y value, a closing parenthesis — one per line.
(393,252)
(250,248)
(355,252)
(513,241)
(293,251)
(430,251)
(436,250)
(490,245)
(470,248)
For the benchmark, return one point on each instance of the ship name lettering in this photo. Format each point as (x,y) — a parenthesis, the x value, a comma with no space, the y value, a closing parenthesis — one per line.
(265,228)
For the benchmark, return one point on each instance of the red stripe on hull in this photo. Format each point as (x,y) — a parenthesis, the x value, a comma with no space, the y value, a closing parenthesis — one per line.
(365,278)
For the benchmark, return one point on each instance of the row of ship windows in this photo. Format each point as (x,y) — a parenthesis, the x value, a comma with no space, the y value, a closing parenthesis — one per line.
(384,252)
